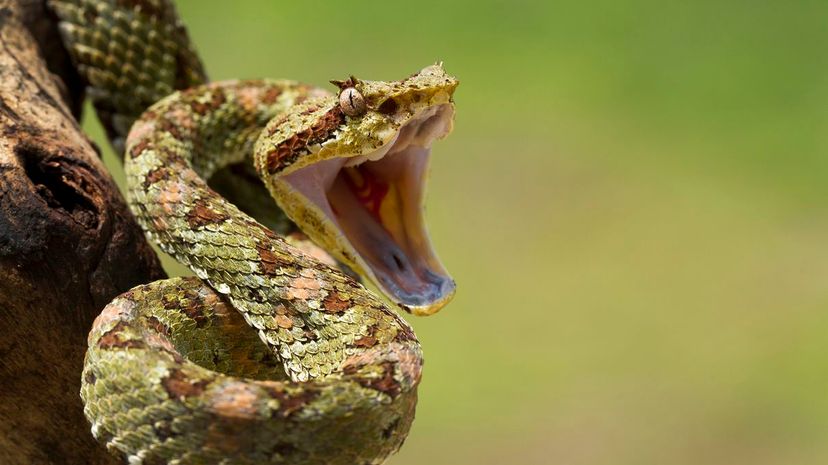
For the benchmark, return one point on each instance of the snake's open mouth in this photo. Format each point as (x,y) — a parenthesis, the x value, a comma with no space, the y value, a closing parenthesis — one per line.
(375,200)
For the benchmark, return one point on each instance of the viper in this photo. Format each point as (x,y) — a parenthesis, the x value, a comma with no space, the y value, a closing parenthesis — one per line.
(274,353)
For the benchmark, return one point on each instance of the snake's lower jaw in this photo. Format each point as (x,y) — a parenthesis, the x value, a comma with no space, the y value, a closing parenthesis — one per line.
(368,211)
(378,206)
(444,296)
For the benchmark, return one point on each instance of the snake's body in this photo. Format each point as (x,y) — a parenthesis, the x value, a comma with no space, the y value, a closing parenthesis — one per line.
(173,374)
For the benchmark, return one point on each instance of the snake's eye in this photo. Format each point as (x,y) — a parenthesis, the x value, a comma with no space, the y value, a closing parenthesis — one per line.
(352,102)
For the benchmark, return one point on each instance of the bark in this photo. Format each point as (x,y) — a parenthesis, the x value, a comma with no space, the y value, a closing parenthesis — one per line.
(68,245)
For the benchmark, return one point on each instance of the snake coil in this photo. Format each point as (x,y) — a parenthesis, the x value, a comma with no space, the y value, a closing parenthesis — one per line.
(173,373)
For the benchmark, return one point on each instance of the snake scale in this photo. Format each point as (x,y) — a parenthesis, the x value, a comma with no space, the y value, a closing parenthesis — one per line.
(328,374)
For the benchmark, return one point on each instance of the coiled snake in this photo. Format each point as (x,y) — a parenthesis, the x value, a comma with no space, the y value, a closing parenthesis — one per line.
(173,373)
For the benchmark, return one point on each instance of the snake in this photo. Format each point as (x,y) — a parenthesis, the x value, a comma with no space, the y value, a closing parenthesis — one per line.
(273,352)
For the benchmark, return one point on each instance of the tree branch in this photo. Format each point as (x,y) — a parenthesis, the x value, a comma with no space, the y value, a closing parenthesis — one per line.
(68,245)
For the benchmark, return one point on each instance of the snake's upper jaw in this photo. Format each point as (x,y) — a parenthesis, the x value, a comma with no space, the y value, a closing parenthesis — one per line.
(368,211)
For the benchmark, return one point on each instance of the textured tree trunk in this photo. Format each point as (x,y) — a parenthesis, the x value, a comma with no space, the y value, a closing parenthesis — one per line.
(68,245)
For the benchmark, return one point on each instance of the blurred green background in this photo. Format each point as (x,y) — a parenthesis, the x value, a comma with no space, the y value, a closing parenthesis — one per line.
(633,204)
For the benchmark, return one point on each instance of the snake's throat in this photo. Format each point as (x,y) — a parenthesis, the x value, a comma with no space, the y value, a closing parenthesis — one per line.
(374,204)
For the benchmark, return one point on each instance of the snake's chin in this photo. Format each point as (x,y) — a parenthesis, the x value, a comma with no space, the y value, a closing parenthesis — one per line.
(375,200)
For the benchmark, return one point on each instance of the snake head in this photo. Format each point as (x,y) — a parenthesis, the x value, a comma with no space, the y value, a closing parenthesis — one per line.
(351,171)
